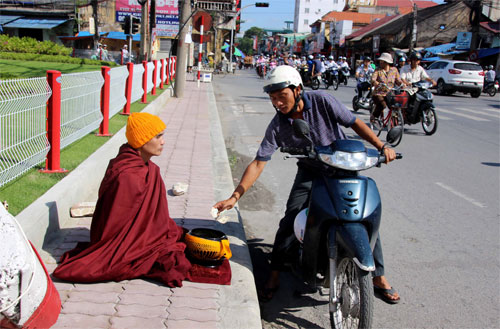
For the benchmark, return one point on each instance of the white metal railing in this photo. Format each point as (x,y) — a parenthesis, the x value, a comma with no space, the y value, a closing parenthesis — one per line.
(164,68)
(151,67)
(158,73)
(118,80)
(137,90)
(80,105)
(23,138)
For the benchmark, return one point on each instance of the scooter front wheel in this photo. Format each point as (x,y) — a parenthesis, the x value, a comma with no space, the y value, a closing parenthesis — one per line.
(335,84)
(353,295)
(315,84)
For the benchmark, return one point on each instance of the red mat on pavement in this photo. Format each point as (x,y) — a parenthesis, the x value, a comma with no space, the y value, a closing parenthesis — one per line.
(220,274)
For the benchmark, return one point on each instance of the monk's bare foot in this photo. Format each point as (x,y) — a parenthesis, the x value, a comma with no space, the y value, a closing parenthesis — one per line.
(382,286)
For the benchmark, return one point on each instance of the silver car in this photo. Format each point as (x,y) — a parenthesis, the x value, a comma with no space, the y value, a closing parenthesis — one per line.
(451,76)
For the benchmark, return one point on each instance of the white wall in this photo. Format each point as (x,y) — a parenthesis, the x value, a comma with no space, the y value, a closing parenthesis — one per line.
(309,11)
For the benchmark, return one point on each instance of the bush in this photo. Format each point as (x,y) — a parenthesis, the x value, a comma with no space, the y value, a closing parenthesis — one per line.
(56,59)
(31,46)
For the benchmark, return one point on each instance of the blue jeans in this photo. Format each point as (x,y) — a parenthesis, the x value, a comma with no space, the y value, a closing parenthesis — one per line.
(298,200)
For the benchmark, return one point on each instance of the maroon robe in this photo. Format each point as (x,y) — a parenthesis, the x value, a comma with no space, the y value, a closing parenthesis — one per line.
(132,234)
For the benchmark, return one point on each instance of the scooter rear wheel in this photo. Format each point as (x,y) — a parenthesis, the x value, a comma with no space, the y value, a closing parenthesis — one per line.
(354,290)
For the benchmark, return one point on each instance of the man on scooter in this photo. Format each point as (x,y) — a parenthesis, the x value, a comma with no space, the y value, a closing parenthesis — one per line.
(414,72)
(325,115)
(363,74)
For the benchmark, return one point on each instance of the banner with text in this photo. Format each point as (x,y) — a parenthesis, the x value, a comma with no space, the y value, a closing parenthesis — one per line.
(167,15)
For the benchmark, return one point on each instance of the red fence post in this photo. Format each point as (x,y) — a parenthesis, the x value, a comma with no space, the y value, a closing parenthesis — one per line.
(104,127)
(145,82)
(53,161)
(162,75)
(128,89)
(155,72)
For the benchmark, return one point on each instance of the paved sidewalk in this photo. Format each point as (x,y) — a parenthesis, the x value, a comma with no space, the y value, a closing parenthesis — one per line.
(194,153)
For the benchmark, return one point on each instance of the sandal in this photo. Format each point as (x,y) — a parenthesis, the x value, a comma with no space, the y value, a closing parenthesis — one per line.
(266,294)
(383,294)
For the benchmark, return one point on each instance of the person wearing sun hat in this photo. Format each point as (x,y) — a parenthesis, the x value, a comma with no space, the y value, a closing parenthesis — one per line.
(132,234)
(383,79)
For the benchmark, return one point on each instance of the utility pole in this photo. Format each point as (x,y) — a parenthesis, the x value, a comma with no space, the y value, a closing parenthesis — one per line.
(413,42)
(182,48)
(144,29)
(152,24)
(95,15)
(474,20)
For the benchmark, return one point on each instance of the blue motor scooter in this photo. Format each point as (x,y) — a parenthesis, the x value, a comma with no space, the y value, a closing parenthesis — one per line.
(339,229)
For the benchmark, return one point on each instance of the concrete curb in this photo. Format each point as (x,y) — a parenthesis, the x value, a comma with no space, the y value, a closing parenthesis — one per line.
(50,212)
(239,303)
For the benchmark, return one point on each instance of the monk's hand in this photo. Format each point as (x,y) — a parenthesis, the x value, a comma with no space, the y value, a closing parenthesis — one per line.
(226,204)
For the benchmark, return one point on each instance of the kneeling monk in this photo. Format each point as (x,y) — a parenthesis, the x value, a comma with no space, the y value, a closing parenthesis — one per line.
(132,234)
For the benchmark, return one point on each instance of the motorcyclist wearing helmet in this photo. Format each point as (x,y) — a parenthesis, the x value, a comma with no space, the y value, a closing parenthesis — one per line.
(331,64)
(325,115)
(490,75)
(401,62)
(363,75)
(414,72)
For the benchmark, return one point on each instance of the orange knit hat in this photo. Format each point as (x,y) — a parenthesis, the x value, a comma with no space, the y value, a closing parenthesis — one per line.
(142,127)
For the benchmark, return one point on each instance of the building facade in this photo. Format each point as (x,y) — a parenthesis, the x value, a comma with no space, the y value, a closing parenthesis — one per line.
(309,11)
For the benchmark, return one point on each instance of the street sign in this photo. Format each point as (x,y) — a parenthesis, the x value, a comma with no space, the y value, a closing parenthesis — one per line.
(463,40)
(207,20)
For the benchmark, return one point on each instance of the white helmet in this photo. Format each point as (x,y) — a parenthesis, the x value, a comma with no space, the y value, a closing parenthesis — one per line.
(311,56)
(299,225)
(330,57)
(282,77)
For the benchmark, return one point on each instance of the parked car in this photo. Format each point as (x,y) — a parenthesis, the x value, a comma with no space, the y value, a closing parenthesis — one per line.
(452,76)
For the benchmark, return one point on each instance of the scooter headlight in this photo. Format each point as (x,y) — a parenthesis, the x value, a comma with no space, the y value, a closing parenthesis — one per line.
(349,160)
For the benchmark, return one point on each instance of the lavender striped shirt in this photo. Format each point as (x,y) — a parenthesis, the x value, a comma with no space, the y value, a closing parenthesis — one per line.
(324,114)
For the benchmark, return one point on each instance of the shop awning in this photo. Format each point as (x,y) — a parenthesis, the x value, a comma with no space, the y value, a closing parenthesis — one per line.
(31,23)
(122,36)
(7,19)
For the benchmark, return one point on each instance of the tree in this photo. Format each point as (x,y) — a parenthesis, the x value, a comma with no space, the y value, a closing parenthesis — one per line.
(246,45)
(255,31)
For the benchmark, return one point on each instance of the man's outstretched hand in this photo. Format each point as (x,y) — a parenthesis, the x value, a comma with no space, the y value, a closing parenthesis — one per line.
(226,204)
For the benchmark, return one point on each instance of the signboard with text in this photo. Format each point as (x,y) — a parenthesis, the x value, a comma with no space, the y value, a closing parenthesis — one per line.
(167,15)
(463,40)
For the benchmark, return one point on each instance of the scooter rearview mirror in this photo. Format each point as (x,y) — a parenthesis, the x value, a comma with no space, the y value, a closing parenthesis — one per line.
(301,128)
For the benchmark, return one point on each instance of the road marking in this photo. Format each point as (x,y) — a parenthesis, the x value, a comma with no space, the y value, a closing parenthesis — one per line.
(461,195)
(491,110)
(481,112)
(444,118)
(461,115)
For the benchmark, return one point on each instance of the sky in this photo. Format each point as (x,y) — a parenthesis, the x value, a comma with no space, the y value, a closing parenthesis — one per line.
(273,17)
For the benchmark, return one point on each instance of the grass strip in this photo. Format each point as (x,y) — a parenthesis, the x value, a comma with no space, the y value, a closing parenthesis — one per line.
(24,190)
(15,69)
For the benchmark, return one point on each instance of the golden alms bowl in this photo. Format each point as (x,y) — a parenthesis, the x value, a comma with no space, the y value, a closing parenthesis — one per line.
(207,244)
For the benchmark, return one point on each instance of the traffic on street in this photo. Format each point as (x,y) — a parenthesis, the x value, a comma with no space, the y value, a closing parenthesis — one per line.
(439,222)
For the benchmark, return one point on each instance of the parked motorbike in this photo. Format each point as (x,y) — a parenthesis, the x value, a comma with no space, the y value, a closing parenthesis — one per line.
(331,78)
(307,80)
(490,88)
(336,234)
(344,75)
(365,102)
(421,108)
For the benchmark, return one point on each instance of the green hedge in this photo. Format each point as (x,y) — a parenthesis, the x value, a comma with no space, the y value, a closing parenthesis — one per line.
(52,58)
(31,46)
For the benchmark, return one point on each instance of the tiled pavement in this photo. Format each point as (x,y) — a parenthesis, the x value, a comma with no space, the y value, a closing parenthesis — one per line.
(187,157)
